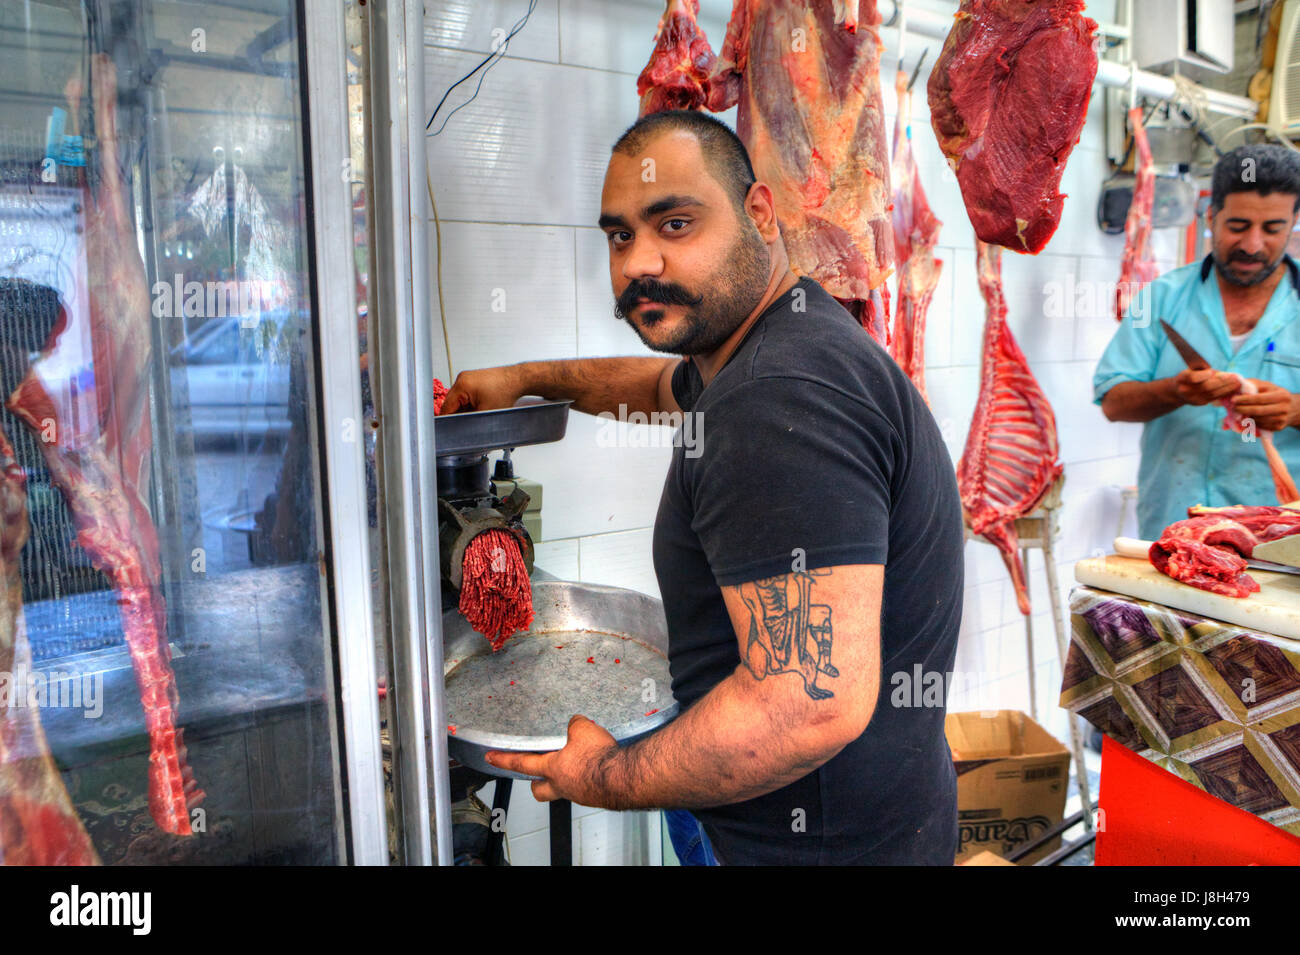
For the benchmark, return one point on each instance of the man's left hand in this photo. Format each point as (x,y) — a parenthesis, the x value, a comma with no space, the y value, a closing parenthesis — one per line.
(574,773)
(1273,409)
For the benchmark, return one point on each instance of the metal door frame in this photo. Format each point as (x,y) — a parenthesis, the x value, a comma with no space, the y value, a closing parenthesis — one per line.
(402,386)
(340,422)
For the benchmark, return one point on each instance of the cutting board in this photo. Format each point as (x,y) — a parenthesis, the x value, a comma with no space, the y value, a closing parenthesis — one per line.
(1275,609)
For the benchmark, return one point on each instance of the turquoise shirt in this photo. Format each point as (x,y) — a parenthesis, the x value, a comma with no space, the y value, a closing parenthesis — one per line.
(1187,456)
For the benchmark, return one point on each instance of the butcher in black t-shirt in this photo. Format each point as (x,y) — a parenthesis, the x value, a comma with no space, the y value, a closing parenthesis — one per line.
(808,542)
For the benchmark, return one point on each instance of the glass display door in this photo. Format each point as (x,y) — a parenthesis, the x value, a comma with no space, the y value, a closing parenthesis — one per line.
(187,668)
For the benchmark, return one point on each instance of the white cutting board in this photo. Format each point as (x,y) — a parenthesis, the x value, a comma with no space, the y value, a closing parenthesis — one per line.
(1275,609)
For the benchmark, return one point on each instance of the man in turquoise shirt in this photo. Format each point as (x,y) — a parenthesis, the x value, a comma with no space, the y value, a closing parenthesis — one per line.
(1239,309)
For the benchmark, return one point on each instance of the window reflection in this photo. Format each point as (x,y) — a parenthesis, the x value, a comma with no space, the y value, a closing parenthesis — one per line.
(156,370)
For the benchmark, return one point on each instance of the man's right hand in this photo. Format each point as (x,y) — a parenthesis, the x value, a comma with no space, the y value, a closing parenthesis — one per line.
(484,389)
(1204,386)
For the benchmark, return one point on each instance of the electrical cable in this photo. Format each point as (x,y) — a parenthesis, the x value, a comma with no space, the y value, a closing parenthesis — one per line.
(485,64)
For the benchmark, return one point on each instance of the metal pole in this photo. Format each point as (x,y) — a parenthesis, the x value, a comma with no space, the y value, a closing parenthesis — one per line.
(340,426)
(402,381)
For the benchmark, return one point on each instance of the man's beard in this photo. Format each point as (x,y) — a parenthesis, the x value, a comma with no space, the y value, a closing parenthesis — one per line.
(1247,281)
(709,320)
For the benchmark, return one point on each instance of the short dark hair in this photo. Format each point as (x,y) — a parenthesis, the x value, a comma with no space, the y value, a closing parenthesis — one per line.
(725,154)
(1262,168)
(29,313)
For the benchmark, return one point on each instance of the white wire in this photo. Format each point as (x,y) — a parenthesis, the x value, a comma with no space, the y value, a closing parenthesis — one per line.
(1285,140)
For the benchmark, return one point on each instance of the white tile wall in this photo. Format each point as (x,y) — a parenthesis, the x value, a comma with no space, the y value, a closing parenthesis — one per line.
(517,174)
(481,26)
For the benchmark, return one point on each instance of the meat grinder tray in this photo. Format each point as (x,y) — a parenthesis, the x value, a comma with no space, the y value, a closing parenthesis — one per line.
(530,421)
(520,698)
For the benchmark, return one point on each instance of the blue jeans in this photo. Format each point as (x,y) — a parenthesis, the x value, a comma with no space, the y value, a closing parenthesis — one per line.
(688,838)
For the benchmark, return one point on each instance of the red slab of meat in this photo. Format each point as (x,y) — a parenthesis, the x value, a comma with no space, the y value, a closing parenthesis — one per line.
(1010,461)
(439,395)
(1283,484)
(1208,552)
(102,467)
(1265,522)
(806,80)
(1202,566)
(680,64)
(1139,268)
(916,232)
(38,824)
(1008,100)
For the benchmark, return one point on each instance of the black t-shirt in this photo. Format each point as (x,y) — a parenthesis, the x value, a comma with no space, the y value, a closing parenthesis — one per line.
(812,438)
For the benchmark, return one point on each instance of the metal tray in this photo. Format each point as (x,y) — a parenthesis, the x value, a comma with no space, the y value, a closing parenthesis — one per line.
(520,698)
(530,421)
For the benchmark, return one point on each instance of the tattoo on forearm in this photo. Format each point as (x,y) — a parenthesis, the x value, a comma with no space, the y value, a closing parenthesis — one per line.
(788,636)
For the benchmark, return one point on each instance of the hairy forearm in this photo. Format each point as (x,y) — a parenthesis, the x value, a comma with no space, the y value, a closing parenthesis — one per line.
(596,384)
(743,739)
(1141,400)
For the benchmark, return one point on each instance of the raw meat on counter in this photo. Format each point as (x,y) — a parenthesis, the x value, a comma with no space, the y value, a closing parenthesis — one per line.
(1010,461)
(806,79)
(1209,549)
(680,64)
(1139,268)
(1202,552)
(916,232)
(1008,100)
(102,466)
(1266,522)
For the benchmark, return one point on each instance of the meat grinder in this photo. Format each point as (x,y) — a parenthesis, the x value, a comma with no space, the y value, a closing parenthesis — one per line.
(468,502)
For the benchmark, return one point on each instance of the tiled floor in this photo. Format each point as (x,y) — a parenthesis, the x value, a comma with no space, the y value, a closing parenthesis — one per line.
(1091,760)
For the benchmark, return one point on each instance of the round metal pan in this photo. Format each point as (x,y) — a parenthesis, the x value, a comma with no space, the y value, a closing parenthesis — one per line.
(530,421)
(598,651)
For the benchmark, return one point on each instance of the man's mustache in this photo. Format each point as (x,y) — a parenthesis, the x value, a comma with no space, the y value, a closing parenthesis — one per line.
(1244,258)
(662,293)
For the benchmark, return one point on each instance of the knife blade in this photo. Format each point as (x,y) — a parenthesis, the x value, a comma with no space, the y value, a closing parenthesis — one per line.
(1190,355)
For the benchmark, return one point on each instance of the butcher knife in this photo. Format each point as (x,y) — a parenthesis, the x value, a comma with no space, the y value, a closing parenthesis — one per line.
(1129,547)
(1190,354)
(1284,550)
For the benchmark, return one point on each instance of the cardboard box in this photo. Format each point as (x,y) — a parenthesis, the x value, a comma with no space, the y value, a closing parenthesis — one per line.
(1012,777)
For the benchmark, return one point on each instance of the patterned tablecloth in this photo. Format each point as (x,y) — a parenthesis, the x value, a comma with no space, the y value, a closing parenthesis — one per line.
(1214,703)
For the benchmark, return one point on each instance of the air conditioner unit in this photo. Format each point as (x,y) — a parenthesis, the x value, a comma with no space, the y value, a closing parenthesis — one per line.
(1184,33)
(1284,103)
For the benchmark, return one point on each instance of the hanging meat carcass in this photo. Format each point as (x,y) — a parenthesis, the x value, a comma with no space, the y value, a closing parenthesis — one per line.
(916,232)
(1008,100)
(1010,461)
(103,468)
(680,64)
(806,79)
(1139,268)
(38,825)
